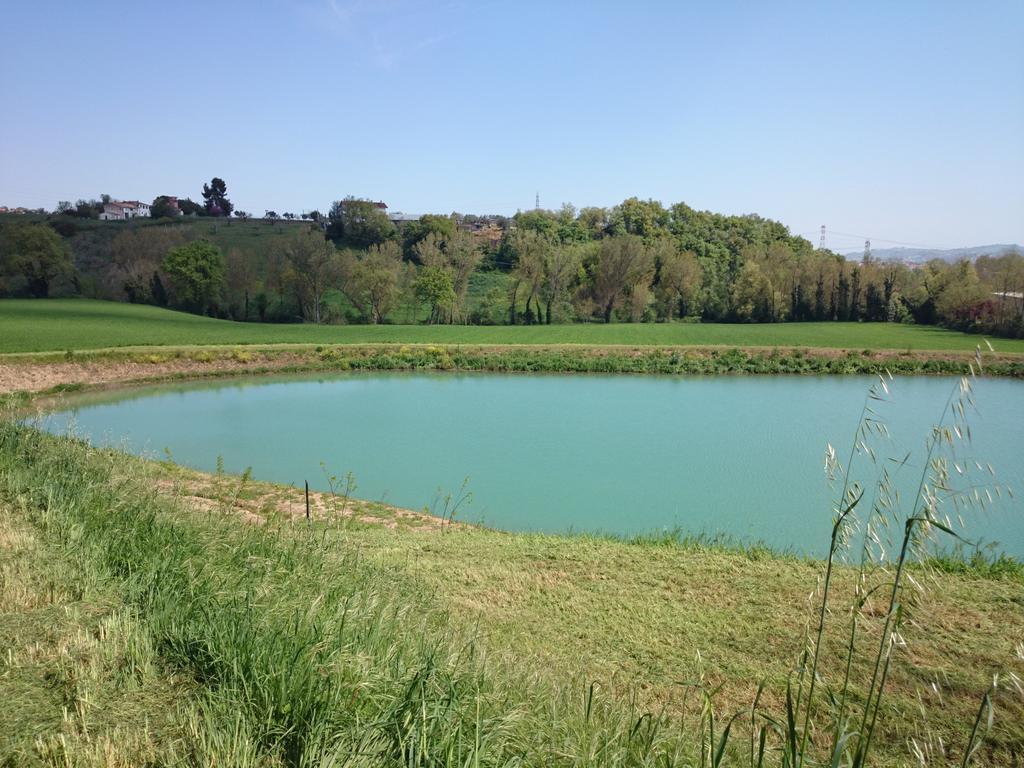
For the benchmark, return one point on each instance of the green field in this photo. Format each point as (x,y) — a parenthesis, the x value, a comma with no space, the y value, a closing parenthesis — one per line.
(60,324)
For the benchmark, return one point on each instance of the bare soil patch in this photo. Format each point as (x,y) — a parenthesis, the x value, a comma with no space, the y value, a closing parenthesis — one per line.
(257,502)
(42,376)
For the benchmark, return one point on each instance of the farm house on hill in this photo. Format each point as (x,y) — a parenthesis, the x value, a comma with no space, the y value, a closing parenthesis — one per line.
(121,210)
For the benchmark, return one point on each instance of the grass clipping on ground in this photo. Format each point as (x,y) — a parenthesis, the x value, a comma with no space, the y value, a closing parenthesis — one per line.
(144,622)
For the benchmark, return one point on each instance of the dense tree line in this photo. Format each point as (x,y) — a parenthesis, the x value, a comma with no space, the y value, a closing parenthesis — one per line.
(635,262)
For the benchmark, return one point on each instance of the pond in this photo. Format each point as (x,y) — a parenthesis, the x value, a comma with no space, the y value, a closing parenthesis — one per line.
(736,456)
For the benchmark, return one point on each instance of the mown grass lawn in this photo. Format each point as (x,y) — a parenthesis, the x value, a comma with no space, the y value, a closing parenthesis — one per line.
(61,324)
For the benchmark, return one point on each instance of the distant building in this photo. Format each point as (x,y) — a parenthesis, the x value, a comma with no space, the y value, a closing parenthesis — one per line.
(122,210)
(398,218)
(485,232)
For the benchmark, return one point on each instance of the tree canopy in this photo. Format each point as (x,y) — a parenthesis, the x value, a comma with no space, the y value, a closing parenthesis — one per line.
(359,223)
(196,273)
(32,258)
(215,198)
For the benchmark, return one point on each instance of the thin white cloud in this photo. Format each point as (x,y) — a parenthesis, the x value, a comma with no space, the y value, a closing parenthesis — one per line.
(385,33)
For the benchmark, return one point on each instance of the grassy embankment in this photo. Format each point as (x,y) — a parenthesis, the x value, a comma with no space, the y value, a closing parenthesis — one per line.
(137,629)
(80,324)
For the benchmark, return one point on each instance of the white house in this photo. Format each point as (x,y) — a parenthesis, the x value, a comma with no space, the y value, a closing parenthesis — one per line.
(122,210)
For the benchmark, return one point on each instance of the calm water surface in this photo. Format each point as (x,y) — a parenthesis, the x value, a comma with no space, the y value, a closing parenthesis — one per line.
(741,456)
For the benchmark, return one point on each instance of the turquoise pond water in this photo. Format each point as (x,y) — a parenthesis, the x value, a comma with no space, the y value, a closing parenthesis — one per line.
(740,456)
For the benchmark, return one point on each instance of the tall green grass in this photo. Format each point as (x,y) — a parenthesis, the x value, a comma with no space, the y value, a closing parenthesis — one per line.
(305,653)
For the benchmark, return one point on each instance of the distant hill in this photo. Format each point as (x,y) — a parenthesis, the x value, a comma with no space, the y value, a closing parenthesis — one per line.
(924,255)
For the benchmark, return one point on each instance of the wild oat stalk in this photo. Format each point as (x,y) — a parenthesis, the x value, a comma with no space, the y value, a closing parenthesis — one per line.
(852,746)
(850,497)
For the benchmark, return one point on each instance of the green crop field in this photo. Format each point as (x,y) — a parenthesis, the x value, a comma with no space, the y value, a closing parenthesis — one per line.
(79,324)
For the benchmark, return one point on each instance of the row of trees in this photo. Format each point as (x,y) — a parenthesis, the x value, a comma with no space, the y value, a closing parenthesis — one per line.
(637,261)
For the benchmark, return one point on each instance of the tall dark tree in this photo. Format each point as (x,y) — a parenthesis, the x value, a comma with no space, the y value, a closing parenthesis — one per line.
(874,304)
(820,309)
(33,255)
(855,294)
(164,207)
(843,297)
(215,196)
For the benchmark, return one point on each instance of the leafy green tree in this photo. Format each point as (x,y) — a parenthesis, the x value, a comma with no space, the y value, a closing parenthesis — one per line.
(957,293)
(538,220)
(531,248)
(215,198)
(359,223)
(562,266)
(314,266)
(371,281)
(196,274)
(34,255)
(434,286)
(678,284)
(593,221)
(623,265)
(645,218)
(750,294)
(415,232)
(457,255)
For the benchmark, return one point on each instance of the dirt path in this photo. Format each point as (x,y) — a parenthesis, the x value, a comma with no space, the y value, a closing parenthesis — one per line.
(39,377)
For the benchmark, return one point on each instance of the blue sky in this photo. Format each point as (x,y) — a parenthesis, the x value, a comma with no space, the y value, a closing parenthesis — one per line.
(903,121)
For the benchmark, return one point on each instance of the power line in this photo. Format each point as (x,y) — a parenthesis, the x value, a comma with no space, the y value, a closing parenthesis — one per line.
(891,242)
(853,235)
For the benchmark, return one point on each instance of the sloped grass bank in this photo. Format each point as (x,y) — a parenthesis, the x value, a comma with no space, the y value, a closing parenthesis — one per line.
(81,683)
(348,643)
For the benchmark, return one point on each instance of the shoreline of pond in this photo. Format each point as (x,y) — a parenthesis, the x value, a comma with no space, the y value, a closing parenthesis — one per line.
(41,375)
